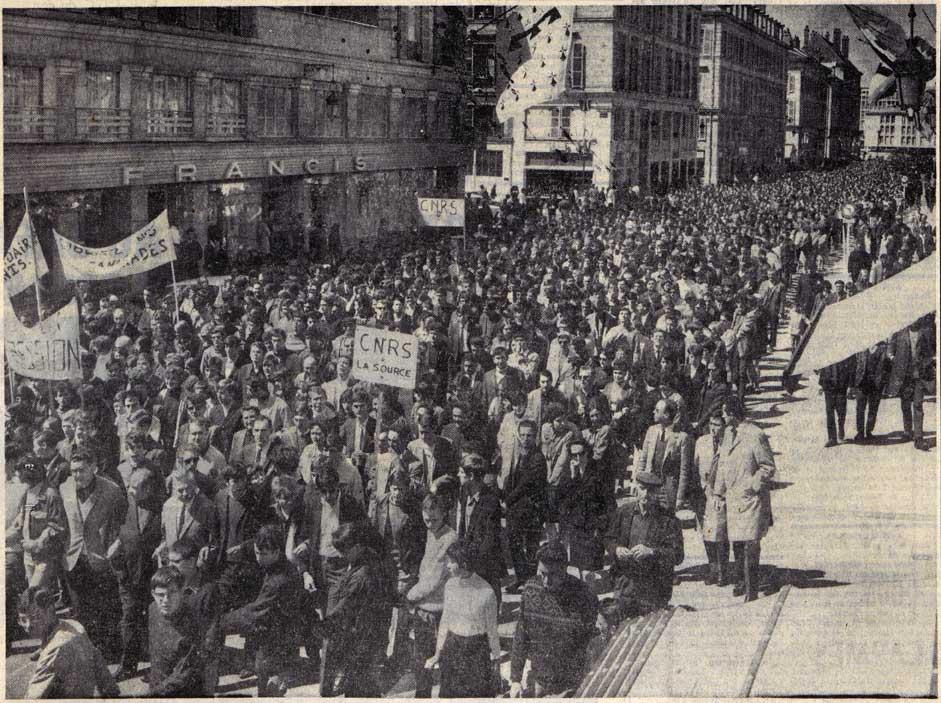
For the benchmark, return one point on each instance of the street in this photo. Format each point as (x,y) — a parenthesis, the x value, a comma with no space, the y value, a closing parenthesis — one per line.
(851,514)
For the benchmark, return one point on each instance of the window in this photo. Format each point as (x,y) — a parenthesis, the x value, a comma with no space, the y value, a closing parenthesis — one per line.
(630,124)
(489,163)
(410,32)
(561,121)
(414,115)
(372,114)
(791,82)
(707,37)
(656,79)
(621,64)
(483,64)
(276,108)
(22,87)
(169,106)
(101,89)
(364,14)
(634,70)
(208,19)
(791,112)
(577,67)
(617,123)
(445,117)
(226,115)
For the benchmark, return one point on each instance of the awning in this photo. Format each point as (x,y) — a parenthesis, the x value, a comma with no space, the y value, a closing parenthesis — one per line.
(871,316)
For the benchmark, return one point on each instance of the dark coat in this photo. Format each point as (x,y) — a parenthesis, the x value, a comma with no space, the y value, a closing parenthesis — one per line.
(410,541)
(837,378)
(140,535)
(349,511)
(872,369)
(180,651)
(525,492)
(649,581)
(483,531)
(583,516)
(348,436)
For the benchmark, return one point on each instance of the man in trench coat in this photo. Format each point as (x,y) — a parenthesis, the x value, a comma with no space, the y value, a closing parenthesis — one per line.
(746,467)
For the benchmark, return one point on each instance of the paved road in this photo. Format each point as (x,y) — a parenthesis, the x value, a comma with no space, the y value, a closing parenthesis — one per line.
(848,514)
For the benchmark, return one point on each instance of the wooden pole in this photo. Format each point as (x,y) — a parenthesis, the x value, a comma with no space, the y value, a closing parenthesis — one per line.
(176,300)
(34,245)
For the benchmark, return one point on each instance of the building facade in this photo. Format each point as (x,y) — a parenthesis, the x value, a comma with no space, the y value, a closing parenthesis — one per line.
(888,131)
(626,118)
(742,87)
(228,117)
(806,136)
(843,91)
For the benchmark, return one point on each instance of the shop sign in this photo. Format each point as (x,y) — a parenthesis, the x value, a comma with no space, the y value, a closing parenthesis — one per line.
(252,168)
(386,357)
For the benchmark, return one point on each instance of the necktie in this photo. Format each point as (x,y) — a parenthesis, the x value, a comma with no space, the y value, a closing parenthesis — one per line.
(179,523)
(658,452)
(462,520)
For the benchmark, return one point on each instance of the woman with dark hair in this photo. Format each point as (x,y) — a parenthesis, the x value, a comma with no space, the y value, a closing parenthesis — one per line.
(468,642)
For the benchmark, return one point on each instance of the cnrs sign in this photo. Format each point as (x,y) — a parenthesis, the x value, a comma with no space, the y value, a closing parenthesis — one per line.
(381,356)
(441,212)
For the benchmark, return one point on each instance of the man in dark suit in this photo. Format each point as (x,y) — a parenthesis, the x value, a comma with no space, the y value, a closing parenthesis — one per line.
(872,374)
(583,507)
(188,513)
(644,543)
(359,432)
(835,381)
(667,453)
(131,556)
(477,521)
(524,488)
(912,352)
(321,565)
(95,509)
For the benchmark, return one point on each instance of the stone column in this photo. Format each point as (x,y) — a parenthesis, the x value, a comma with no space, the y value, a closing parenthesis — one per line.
(68,84)
(252,123)
(353,106)
(396,100)
(305,108)
(140,90)
(202,98)
(431,111)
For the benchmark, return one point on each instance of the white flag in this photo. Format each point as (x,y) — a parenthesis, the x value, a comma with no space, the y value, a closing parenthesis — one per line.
(21,260)
(49,350)
(149,247)
(541,77)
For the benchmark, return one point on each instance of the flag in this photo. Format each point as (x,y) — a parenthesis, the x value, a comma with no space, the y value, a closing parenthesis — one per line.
(538,40)
(48,350)
(22,258)
(900,300)
(881,85)
(886,37)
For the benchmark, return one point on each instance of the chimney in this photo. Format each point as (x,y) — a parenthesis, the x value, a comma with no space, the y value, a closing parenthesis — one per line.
(837,39)
(806,35)
(846,47)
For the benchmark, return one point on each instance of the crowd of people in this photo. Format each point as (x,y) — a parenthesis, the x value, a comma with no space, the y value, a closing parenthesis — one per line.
(584,367)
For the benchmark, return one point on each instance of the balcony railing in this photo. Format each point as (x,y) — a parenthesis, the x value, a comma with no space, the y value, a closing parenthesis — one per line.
(102,124)
(168,124)
(29,124)
(225,125)
(275,126)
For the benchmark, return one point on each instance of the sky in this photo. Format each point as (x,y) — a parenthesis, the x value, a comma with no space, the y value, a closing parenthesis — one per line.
(824,17)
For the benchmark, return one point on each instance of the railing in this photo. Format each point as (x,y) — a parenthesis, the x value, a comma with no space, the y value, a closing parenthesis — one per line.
(167,124)
(225,125)
(29,124)
(275,126)
(102,124)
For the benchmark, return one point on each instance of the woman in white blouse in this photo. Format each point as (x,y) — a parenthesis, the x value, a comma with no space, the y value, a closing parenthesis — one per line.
(468,643)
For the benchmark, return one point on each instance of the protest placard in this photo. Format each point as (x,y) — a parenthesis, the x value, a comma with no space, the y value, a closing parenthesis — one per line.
(382,356)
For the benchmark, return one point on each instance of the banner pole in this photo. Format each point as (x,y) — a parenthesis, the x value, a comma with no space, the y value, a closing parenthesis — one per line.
(176,300)
(34,245)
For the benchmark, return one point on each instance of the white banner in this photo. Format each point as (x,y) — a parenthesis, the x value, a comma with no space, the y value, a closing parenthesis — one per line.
(146,249)
(50,350)
(381,356)
(442,212)
(885,308)
(19,266)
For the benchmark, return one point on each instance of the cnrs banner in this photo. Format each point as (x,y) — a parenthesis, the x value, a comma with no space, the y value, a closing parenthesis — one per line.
(381,356)
(47,351)
(22,259)
(442,212)
(146,249)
